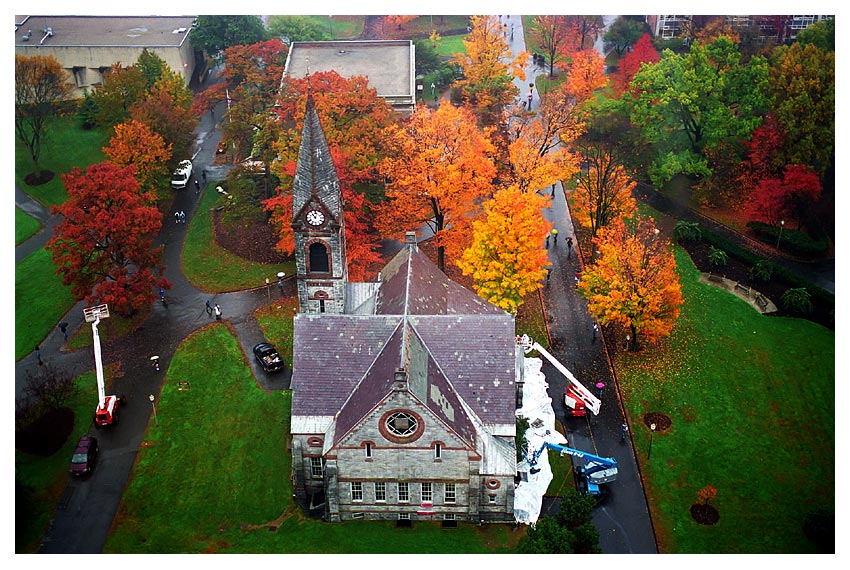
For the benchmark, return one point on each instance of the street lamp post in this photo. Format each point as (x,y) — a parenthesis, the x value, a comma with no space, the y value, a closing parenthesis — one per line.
(781,227)
(155,420)
(651,433)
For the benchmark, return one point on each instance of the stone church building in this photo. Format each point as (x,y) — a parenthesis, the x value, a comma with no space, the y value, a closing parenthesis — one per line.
(404,390)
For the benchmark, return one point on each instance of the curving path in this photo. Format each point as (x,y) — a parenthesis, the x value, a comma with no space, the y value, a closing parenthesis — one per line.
(85,513)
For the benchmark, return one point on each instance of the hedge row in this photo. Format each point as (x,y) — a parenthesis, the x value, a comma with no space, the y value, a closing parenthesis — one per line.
(793,241)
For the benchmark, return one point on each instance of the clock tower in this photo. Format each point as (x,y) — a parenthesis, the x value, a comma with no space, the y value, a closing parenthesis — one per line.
(321,265)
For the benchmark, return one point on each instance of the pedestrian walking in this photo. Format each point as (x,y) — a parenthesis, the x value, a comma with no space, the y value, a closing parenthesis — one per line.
(547,239)
(555,235)
(176,216)
(578,276)
(217,311)
(624,429)
(433,89)
(197,186)
(209,308)
(600,386)
(569,247)
(553,190)
(595,331)
(162,295)
(63,326)
(182,217)
(205,175)
(529,100)
(38,354)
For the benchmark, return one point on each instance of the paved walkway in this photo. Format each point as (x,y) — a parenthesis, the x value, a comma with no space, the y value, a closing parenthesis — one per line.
(83,518)
(623,518)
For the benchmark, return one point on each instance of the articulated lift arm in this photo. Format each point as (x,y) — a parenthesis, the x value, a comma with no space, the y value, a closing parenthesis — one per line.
(592,402)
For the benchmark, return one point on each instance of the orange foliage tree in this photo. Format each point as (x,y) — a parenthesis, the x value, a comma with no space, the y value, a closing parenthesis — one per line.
(536,162)
(489,67)
(603,193)
(438,169)
(507,259)
(166,109)
(634,281)
(135,143)
(586,74)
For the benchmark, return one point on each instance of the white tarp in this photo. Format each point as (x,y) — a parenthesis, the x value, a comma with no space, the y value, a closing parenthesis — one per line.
(537,408)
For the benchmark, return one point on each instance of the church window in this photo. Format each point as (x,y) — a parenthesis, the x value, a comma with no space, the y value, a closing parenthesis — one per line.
(367,448)
(449,517)
(316,466)
(427,494)
(380,492)
(356,490)
(403,493)
(492,499)
(319,258)
(404,516)
(401,424)
(438,451)
(451,493)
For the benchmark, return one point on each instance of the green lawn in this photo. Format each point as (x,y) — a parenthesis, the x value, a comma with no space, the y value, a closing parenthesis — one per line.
(342,27)
(47,476)
(214,269)
(67,146)
(449,45)
(424,24)
(40,301)
(276,322)
(225,437)
(25,226)
(751,399)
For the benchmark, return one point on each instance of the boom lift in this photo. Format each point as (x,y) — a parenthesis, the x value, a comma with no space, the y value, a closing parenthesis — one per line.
(106,412)
(597,470)
(577,398)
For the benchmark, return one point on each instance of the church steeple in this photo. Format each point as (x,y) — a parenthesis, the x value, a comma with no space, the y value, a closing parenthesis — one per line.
(317,222)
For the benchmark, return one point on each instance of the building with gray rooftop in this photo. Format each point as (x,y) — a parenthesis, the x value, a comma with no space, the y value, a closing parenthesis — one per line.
(404,390)
(87,46)
(389,65)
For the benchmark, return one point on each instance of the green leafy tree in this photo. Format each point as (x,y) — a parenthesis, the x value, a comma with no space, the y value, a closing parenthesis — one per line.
(624,32)
(151,66)
(688,105)
(122,87)
(40,84)
(569,532)
(802,82)
(820,34)
(216,33)
(427,58)
(298,29)
(87,112)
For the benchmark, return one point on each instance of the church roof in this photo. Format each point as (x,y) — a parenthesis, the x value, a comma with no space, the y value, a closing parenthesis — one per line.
(454,346)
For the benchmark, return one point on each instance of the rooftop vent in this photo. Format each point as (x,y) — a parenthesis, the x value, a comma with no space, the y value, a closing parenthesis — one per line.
(179,31)
(27,35)
(47,33)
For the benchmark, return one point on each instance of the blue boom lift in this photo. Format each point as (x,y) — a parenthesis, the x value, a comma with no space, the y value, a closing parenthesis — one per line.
(597,470)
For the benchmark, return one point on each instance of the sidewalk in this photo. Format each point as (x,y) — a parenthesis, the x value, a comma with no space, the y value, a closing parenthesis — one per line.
(623,519)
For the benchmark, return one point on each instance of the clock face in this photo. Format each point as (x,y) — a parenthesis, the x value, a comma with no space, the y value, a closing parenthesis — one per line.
(315,218)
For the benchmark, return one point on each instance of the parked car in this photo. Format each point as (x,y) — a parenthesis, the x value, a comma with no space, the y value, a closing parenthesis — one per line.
(268,357)
(85,456)
(182,175)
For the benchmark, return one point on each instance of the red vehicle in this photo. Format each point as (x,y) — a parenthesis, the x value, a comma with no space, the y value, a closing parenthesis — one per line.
(85,456)
(106,412)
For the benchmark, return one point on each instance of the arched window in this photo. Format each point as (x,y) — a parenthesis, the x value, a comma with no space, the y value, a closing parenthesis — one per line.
(319,262)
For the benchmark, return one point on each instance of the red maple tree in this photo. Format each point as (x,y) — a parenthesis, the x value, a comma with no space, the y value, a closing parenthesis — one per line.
(641,52)
(774,200)
(104,248)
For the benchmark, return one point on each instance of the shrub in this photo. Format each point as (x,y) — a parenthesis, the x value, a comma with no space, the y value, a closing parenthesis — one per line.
(762,270)
(717,257)
(794,242)
(706,495)
(687,231)
(797,300)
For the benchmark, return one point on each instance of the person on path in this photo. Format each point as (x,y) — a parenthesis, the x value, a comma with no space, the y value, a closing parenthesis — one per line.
(209,308)
(529,100)
(569,246)
(553,190)
(176,216)
(555,235)
(182,217)
(595,331)
(197,186)
(547,239)
(624,429)
(205,175)
(217,310)
(63,326)
(38,354)
(162,295)
(433,89)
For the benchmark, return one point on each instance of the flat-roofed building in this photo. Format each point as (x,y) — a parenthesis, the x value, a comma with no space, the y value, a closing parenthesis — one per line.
(389,66)
(87,46)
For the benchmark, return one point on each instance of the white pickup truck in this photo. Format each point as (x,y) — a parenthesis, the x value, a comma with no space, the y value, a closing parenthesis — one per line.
(180,178)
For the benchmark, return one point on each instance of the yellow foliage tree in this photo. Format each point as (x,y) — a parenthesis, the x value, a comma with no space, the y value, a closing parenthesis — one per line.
(603,193)
(535,162)
(507,259)
(489,67)
(439,169)
(634,281)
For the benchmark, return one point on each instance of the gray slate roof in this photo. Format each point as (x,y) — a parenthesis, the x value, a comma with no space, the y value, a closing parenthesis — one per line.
(463,347)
